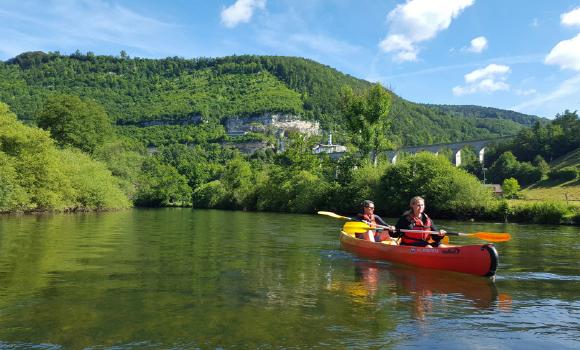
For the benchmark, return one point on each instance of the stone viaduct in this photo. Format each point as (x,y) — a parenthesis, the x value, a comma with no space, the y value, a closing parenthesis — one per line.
(478,145)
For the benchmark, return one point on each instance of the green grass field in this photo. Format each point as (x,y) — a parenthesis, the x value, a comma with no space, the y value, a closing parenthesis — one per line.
(547,190)
(569,193)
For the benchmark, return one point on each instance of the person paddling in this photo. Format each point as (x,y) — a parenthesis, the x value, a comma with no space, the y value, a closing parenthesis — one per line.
(415,219)
(368,216)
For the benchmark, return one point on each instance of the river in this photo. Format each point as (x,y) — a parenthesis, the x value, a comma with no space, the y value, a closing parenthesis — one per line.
(187,279)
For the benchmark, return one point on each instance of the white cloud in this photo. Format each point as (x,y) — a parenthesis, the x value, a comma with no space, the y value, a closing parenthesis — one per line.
(417,21)
(566,54)
(241,12)
(491,71)
(489,79)
(571,18)
(565,94)
(478,44)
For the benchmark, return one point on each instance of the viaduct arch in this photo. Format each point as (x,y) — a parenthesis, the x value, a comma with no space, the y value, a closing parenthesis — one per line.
(478,145)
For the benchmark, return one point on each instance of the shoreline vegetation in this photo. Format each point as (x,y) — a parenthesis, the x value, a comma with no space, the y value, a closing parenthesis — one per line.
(39,176)
(87,138)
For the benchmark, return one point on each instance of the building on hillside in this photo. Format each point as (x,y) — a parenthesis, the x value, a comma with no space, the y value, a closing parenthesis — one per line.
(495,189)
(334,151)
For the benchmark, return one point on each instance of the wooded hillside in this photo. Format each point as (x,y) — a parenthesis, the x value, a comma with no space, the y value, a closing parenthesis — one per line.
(133,90)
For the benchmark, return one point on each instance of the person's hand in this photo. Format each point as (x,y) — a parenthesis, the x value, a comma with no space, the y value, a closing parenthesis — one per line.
(391,228)
(442,233)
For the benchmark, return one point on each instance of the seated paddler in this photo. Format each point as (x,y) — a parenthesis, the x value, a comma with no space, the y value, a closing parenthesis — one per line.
(422,226)
(369,217)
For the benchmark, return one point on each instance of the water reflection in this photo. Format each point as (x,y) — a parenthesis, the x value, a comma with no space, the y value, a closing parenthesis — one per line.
(427,291)
(175,278)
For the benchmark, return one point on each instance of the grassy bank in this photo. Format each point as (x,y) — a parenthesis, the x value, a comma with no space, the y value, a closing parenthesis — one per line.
(568,193)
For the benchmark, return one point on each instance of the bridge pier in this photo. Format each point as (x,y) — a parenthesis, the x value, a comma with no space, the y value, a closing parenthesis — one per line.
(458,157)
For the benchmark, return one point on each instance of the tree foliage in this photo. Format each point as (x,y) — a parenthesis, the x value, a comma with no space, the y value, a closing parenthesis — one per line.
(36,175)
(74,122)
(447,189)
(510,187)
(367,116)
(174,90)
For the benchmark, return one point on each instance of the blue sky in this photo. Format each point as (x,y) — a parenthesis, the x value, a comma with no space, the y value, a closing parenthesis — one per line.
(522,55)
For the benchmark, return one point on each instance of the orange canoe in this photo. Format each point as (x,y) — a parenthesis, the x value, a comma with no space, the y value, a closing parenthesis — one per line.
(479,259)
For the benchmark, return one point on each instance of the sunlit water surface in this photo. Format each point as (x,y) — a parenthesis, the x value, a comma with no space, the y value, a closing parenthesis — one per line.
(186,279)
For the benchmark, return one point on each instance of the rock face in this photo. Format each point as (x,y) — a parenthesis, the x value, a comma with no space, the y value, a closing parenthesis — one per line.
(276,123)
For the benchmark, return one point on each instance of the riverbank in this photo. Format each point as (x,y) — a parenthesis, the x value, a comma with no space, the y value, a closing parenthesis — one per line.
(512,211)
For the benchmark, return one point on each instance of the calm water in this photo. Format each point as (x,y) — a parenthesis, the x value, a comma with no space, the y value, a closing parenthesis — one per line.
(186,279)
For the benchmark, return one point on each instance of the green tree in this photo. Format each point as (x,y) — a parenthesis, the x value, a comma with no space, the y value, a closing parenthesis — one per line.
(36,175)
(238,182)
(212,194)
(510,187)
(161,185)
(542,166)
(75,122)
(504,167)
(12,195)
(447,189)
(368,118)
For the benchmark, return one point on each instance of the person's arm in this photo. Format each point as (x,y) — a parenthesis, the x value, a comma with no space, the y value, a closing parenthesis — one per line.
(402,223)
(380,221)
(434,228)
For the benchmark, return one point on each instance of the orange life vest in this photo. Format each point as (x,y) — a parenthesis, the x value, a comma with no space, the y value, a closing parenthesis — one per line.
(419,225)
(370,219)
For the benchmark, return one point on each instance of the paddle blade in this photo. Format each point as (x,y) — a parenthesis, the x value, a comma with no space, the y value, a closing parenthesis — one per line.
(353,230)
(356,226)
(333,215)
(492,236)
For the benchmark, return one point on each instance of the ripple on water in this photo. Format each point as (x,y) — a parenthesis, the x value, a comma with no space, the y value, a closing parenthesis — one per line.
(536,276)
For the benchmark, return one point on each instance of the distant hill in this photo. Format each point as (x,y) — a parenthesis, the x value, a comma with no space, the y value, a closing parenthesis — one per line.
(134,90)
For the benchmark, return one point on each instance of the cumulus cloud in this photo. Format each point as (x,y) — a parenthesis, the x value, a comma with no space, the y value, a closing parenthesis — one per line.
(241,12)
(417,21)
(489,79)
(478,44)
(571,18)
(566,54)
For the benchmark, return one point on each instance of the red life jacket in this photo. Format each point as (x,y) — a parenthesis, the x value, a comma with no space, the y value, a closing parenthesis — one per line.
(419,225)
(370,219)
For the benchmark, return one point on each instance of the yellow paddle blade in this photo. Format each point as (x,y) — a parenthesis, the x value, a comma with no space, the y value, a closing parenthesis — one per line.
(333,215)
(352,231)
(492,236)
(359,226)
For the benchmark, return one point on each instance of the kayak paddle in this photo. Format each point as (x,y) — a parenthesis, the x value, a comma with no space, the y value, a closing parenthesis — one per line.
(486,236)
(358,227)
(354,227)
(333,215)
(355,223)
